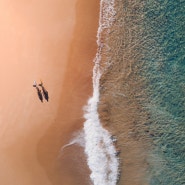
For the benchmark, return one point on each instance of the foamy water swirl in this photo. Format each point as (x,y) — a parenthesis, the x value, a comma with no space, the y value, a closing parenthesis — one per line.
(99,147)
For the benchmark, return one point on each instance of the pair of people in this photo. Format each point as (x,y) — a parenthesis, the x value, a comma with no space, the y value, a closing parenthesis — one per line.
(43,93)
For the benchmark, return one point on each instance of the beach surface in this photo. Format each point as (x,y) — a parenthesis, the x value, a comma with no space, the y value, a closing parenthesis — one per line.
(53,41)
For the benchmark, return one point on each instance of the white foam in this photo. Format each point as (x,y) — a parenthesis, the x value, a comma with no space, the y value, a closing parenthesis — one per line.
(99,147)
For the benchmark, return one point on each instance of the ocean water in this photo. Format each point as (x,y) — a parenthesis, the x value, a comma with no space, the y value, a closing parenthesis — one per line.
(164,73)
(139,94)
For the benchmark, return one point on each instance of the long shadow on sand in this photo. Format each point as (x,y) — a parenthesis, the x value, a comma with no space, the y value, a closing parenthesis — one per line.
(44,92)
(39,93)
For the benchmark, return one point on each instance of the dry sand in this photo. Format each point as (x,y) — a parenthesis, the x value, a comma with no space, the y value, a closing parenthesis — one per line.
(52,40)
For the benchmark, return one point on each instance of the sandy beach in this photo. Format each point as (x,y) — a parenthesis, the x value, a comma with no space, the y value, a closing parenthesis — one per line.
(52,41)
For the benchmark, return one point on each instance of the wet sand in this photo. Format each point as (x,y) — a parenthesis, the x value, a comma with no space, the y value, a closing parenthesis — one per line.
(54,41)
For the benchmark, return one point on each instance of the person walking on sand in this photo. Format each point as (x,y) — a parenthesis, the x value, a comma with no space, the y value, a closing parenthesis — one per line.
(34,83)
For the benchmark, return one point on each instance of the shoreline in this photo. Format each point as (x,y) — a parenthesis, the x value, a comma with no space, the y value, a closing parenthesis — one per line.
(99,144)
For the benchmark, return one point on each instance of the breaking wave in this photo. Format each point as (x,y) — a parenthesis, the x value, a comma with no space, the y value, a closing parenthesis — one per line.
(99,147)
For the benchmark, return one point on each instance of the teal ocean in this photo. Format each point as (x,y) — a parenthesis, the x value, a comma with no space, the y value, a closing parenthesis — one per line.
(163,69)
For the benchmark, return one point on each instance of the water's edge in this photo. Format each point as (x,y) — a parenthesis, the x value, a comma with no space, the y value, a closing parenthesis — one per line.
(99,145)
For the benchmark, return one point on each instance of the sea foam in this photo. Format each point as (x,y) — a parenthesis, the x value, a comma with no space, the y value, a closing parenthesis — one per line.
(99,147)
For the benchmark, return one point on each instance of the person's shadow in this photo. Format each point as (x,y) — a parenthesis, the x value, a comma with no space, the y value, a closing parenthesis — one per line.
(44,92)
(39,93)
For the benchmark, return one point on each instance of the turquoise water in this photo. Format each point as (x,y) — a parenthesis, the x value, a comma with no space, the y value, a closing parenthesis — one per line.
(164,71)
